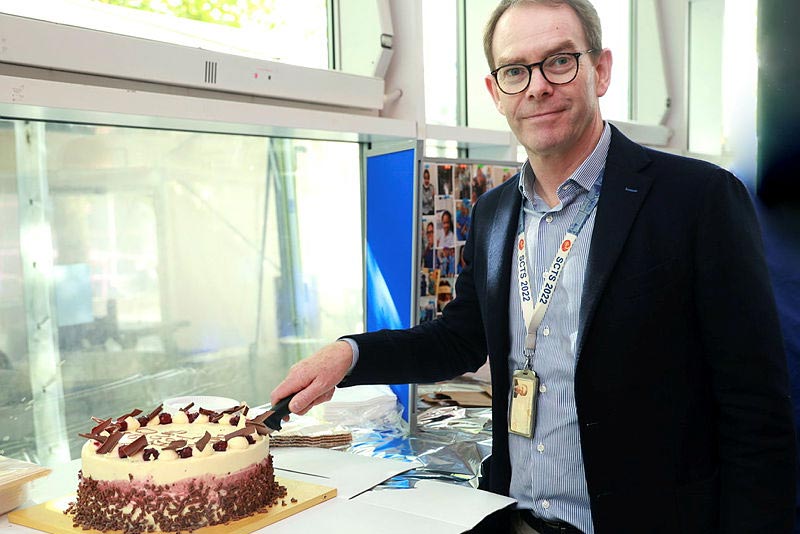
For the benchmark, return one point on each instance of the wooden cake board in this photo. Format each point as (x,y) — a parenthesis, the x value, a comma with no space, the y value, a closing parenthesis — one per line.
(50,517)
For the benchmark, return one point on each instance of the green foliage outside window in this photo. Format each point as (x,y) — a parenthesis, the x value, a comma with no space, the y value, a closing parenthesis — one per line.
(227,12)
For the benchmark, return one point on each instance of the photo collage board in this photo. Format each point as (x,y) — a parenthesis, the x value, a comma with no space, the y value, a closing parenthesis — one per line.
(448,190)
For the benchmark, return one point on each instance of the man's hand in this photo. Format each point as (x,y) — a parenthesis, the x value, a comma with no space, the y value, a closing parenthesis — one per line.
(315,377)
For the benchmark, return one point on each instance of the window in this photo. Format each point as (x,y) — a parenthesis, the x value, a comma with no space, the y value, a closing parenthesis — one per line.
(165,263)
(723,80)
(292,32)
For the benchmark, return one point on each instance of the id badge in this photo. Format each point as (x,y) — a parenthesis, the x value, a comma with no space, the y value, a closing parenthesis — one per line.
(524,392)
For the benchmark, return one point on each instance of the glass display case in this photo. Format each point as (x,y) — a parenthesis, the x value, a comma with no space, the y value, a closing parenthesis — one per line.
(141,264)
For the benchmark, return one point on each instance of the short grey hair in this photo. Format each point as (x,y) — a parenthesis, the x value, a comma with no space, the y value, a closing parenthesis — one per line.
(583,8)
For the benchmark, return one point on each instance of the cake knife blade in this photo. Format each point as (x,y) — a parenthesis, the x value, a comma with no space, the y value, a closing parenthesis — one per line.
(279,411)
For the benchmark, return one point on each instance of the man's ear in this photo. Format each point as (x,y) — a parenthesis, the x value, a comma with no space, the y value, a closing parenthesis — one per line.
(602,71)
(491,86)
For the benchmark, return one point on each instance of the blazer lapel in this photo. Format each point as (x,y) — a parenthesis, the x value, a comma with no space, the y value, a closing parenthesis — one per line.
(498,264)
(624,190)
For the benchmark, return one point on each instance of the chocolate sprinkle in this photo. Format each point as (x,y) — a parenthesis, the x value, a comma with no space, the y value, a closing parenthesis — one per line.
(137,506)
(109,443)
(186,408)
(134,446)
(202,442)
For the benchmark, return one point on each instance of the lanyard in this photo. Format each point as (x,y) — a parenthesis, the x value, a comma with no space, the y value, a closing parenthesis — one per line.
(533,314)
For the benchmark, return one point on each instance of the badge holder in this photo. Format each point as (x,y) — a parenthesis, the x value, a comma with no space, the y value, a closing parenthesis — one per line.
(524,393)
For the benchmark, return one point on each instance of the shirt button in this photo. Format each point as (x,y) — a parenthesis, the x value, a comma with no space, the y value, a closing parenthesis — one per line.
(542,389)
(546,331)
(549,218)
(545,504)
(540,447)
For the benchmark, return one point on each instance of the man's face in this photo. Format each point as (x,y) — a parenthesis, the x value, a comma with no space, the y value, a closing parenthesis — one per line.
(548,119)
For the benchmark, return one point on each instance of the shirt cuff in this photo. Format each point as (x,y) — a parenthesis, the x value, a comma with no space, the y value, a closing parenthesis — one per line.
(354,346)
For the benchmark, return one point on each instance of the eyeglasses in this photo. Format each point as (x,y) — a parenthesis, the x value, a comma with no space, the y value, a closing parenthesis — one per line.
(557,69)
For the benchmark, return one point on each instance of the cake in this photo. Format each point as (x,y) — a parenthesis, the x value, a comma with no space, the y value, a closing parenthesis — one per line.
(165,472)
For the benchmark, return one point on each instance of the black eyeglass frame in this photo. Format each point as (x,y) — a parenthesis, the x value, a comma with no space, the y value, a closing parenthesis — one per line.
(540,64)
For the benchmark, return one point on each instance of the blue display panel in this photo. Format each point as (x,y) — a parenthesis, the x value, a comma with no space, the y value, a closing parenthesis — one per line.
(389,250)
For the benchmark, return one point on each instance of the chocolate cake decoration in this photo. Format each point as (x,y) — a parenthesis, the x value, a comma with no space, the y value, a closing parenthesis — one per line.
(202,442)
(175,445)
(154,413)
(132,413)
(261,428)
(234,409)
(261,417)
(134,446)
(96,437)
(246,431)
(102,426)
(110,442)
(186,408)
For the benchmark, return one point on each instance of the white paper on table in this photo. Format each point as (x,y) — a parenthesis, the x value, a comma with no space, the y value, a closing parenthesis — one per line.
(428,507)
(343,516)
(349,473)
(450,503)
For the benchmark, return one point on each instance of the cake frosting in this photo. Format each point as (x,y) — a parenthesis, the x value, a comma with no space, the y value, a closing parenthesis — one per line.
(171,472)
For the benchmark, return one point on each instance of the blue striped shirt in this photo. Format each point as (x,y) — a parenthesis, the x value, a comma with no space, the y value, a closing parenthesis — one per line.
(547,476)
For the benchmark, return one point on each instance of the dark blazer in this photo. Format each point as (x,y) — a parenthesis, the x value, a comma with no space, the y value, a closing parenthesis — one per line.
(681,385)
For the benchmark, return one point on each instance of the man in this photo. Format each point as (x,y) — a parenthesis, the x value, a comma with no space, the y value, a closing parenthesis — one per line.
(662,402)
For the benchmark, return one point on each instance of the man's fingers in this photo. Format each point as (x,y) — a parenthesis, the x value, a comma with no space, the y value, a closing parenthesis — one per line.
(307,399)
(314,378)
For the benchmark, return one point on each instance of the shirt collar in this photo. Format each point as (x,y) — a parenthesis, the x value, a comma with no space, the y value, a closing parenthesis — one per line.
(585,175)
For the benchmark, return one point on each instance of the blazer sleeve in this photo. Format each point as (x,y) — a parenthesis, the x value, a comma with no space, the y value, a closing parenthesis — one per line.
(446,347)
(741,338)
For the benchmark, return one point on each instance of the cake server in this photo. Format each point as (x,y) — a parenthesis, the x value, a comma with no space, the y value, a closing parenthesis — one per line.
(279,411)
